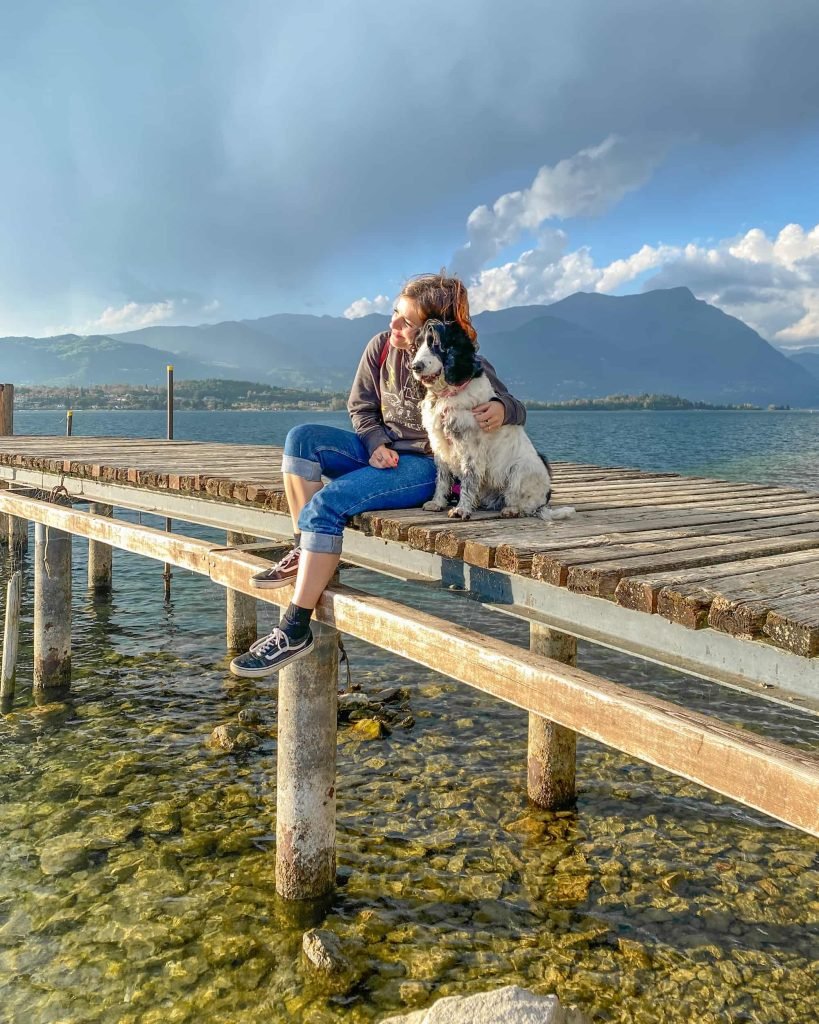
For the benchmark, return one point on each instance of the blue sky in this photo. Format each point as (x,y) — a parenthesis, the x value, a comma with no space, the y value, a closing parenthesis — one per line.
(191,161)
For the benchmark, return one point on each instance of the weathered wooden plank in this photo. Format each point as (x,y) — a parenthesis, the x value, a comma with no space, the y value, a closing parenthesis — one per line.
(690,604)
(518,558)
(600,579)
(641,593)
(794,625)
(744,613)
(578,562)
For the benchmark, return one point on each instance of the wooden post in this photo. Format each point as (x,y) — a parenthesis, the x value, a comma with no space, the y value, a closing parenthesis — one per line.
(17,535)
(100,559)
(241,608)
(10,634)
(6,410)
(167,575)
(52,610)
(69,422)
(306,772)
(552,748)
(14,531)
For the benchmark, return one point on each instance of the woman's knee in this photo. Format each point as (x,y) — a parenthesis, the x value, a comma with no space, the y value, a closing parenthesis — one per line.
(299,441)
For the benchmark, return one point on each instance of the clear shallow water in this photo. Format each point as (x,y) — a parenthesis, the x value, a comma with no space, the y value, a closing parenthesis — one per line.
(136,868)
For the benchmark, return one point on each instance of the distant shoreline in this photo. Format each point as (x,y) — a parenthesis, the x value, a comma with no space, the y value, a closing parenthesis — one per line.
(247,396)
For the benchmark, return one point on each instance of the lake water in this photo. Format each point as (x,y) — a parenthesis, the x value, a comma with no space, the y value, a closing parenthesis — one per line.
(136,863)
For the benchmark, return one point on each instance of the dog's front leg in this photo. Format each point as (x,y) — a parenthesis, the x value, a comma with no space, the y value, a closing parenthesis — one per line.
(443,485)
(470,482)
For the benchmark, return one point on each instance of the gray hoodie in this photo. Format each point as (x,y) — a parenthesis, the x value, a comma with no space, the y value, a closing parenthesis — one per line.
(384,403)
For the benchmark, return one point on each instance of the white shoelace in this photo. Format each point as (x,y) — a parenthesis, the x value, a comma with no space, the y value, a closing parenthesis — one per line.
(278,640)
(288,559)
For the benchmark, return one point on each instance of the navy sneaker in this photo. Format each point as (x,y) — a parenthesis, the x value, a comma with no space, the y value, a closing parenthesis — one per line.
(281,574)
(270,654)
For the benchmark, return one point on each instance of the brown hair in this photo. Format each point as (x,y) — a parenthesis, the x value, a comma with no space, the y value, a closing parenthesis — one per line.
(442,298)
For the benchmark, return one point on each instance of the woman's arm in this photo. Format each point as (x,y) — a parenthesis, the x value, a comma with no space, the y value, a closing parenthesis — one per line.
(514,412)
(364,403)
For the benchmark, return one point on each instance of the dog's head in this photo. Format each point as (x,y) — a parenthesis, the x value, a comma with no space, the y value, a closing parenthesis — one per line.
(445,355)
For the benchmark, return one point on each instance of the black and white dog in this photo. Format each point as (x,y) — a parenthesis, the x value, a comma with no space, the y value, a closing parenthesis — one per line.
(498,469)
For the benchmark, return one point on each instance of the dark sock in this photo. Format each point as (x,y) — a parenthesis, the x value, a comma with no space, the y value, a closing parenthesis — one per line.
(296,622)
(296,538)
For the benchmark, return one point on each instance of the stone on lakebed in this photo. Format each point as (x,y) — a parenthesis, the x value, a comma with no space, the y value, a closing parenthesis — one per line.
(509,1005)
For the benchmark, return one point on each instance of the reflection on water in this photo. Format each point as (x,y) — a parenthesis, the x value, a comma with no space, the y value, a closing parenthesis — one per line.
(136,867)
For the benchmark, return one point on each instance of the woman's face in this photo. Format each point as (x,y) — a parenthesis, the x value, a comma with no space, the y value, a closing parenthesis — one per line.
(405,323)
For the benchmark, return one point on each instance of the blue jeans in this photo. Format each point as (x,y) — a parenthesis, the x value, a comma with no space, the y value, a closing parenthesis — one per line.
(312,450)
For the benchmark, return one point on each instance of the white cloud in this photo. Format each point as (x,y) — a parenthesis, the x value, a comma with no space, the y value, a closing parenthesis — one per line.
(585,184)
(131,317)
(363,307)
(770,283)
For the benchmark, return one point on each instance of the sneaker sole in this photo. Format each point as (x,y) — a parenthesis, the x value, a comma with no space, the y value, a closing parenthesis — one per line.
(271,584)
(260,673)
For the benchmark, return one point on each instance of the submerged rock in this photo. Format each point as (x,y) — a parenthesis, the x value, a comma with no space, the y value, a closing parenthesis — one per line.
(323,949)
(369,729)
(64,854)
(391,695)
(250,716)
(348,702)
(511,1005)
(232,737)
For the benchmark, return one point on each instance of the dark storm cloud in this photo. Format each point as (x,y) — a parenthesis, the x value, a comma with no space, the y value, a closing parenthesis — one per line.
(209,147)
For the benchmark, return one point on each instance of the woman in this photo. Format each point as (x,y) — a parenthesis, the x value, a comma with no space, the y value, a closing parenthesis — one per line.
(385,463)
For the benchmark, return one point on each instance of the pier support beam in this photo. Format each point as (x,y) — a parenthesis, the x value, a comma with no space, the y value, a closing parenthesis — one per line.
(552,748)
(241,608)
(52,611)
(100,560)
(306,772)
(17,535)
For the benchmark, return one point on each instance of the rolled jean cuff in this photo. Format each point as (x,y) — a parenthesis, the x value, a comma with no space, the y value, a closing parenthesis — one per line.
(324,543)
(305,468)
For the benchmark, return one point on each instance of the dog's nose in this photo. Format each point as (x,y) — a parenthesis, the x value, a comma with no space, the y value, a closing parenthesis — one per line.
(417,365)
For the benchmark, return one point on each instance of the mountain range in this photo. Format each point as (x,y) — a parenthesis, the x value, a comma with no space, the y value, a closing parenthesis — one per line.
(586,345)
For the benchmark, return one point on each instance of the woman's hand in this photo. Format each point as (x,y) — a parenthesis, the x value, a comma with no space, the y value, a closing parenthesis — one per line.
(490,415)
(384,458)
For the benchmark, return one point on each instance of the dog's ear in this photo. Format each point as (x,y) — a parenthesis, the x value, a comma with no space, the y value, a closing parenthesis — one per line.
(460,358)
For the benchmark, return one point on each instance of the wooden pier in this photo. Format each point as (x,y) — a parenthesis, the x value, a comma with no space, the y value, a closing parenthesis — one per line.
(717,579)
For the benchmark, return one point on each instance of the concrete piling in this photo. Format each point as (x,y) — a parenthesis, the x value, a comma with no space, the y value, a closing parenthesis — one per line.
(552,748)
(306,800)
(100,556)
(52,610)
(241,608)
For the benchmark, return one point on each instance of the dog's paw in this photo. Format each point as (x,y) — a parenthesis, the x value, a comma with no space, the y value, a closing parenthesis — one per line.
(433,506)
(510,513)
(459,513)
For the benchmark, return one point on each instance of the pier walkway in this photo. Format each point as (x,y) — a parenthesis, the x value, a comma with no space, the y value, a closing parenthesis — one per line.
(713,578)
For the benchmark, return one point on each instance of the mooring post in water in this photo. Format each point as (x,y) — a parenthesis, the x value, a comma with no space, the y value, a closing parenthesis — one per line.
(167,575)
(241,608)
(306,772)
(100,556)
(11,529)
(552,748)
(10,634)
(6,410)
(52,609)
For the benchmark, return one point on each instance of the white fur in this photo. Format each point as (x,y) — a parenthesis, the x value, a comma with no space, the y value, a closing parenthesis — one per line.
(497,469)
